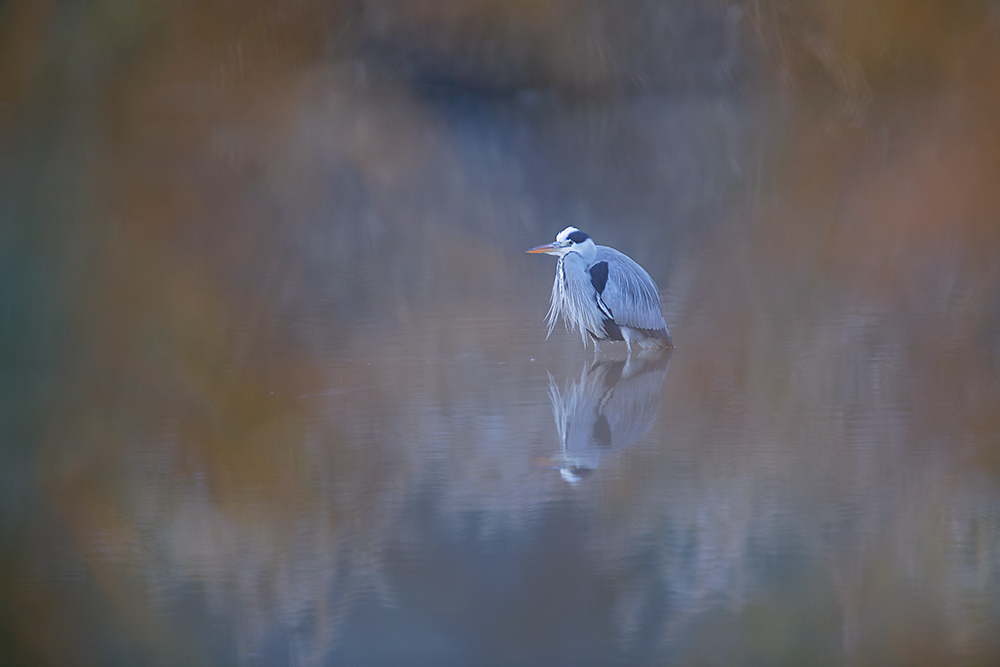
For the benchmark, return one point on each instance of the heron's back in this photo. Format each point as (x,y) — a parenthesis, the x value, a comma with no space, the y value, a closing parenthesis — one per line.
(630,293)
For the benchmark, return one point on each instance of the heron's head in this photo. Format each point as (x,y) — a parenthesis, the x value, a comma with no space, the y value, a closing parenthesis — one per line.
(568,240)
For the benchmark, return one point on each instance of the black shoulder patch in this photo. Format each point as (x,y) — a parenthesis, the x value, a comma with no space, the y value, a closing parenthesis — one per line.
(599,276)
(602,432)
(578,237)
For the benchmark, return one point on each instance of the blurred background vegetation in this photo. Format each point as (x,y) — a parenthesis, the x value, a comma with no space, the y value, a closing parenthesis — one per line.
(207,208)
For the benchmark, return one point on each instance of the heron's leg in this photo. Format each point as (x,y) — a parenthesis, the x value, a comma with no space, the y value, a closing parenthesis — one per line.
(597,349)
(628,343)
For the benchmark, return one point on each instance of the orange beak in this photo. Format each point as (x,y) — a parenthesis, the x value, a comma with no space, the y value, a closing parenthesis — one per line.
(548,248)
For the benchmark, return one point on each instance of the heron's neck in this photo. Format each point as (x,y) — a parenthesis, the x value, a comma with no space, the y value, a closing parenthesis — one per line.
(585,252)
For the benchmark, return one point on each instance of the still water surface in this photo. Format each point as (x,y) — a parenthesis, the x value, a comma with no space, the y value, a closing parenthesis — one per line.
(276,389)
(515,502)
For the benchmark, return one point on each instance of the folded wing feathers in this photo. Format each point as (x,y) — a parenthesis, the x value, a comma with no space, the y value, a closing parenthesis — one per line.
(630,294)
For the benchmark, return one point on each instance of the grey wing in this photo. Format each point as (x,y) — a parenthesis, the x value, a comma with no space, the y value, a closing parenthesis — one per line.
(630,296)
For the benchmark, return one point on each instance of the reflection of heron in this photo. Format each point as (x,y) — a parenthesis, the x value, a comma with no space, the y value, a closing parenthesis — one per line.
(611,406)
(604,293)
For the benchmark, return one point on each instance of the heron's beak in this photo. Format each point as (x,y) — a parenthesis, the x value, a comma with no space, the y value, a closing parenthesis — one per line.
(549,248)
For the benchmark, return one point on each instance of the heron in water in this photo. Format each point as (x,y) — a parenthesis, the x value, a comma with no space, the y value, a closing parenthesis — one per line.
(604,293)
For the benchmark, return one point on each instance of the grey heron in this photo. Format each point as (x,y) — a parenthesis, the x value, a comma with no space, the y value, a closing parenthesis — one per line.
(604,293)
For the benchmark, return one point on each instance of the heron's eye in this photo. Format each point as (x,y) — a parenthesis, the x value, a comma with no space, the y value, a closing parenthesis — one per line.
(578,237)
